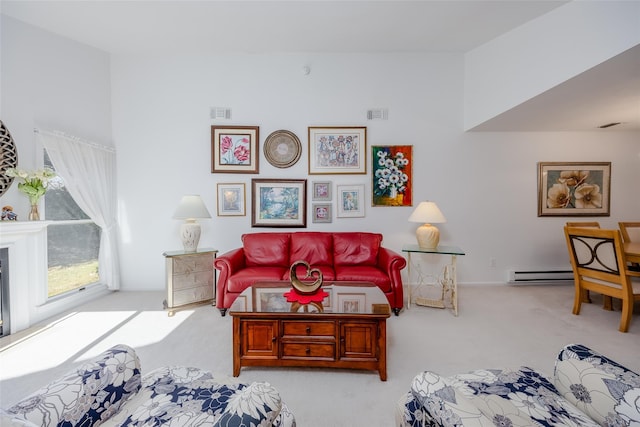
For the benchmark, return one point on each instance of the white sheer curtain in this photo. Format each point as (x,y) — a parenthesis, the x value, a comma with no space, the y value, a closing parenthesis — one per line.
(89,173)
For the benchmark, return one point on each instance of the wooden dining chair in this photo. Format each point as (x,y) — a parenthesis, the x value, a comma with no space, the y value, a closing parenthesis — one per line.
(588,224)
(607,303)
(599,265)
(630,233)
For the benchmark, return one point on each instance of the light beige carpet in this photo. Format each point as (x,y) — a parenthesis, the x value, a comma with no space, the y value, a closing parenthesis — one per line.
(497,326)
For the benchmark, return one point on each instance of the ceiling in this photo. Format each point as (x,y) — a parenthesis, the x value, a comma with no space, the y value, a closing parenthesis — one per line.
(608,93)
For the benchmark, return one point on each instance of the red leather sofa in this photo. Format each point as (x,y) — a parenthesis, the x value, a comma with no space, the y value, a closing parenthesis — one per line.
(343,256)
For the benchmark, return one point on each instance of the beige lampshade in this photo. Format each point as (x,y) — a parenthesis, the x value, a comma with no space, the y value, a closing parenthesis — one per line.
(190,208)
(427,235)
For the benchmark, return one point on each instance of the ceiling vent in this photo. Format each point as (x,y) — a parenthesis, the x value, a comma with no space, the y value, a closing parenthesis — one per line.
(378,114)
(608,125)
(220,113)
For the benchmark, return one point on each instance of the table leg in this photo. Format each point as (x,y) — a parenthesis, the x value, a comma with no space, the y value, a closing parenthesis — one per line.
(409,282)
(454,296)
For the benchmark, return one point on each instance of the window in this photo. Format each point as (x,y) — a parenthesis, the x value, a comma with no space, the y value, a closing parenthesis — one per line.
(73,242)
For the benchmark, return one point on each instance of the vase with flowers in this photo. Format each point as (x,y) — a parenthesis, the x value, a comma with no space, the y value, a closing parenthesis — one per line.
(34,184)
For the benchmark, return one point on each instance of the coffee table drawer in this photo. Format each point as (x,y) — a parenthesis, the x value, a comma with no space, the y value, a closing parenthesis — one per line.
(308,329)
(309,350)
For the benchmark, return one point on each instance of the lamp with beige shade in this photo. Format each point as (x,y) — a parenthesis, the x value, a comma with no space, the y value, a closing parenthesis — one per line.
(427,213)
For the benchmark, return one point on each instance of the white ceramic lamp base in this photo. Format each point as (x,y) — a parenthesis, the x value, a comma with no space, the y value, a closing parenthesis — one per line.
(190,234)
(428,236)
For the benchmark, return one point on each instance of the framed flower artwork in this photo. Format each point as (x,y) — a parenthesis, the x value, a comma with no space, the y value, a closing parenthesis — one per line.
(321,191)
(321,212)
(391,177)
(574,188)
(337,150)
(279,203)
(234,149)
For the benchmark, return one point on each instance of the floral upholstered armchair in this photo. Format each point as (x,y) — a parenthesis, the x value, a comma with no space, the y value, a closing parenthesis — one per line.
(110,391)
(587,389)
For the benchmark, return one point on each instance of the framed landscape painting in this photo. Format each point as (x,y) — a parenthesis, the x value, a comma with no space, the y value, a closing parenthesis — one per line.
(574,188)
(234,149)
(392,180)
(337,150)
(279,203)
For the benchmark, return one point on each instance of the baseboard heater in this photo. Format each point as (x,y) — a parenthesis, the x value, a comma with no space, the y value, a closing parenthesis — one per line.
(540,276)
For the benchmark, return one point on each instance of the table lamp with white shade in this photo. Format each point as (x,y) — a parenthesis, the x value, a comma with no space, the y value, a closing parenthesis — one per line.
(191,207)
(427,213)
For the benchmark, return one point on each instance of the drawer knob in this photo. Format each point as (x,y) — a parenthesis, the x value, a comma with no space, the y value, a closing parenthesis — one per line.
(274,339)
(308,350)
(308,330)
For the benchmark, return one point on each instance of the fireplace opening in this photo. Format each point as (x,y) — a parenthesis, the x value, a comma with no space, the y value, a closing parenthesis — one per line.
(5,326)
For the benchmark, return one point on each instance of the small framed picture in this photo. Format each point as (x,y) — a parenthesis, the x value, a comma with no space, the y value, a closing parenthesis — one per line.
(231,199)
(321,212)
(270,299)
(351,201)
(234,149)
(351,303)
(279,203)
(321,191)
(574,188)
(337,150)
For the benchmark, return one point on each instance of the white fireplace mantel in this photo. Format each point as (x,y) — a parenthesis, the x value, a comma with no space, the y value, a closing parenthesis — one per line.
(27,244)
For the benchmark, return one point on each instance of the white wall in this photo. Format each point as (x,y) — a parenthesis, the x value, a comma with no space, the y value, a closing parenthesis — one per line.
(52,83)
(485,183)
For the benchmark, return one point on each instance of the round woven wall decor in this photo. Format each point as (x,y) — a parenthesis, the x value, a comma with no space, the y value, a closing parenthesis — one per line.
(8,157)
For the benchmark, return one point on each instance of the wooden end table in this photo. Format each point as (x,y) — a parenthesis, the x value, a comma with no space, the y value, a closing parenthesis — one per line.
(349,333)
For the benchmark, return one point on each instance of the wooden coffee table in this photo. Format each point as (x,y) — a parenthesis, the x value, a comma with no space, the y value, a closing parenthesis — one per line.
(349,333)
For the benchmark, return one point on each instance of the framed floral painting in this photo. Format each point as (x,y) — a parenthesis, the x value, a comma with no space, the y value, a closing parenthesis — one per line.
(392,179)
(234,149)
(574,188)
(279,203)
(337,150)
(321,212)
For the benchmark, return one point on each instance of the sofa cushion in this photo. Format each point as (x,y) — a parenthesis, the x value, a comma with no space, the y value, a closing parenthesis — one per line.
(190,397)
(248,276)
(87,395)
(266,249)
(358,273)
(520,397)
(605,390)
(356,248)
(313,247)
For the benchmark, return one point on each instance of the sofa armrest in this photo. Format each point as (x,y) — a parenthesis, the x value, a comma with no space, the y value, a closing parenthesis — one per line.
(443,404)
(87,395)
(603,389)
(392,263)
(227,264)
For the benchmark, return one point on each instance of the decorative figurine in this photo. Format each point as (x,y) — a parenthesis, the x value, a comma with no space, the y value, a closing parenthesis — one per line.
(8,214)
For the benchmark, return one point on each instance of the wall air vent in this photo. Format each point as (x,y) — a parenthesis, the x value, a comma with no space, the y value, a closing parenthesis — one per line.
(220,113)
(378,114)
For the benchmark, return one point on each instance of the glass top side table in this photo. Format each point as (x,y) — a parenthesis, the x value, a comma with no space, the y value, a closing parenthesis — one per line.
(449,282)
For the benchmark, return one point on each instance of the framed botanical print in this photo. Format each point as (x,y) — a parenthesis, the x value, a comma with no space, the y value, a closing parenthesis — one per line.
(321,191)
(234,149)
(392,179)
(574,188)
(350,201)
(337,150)
(231,199)
(321,212)
(279,203)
